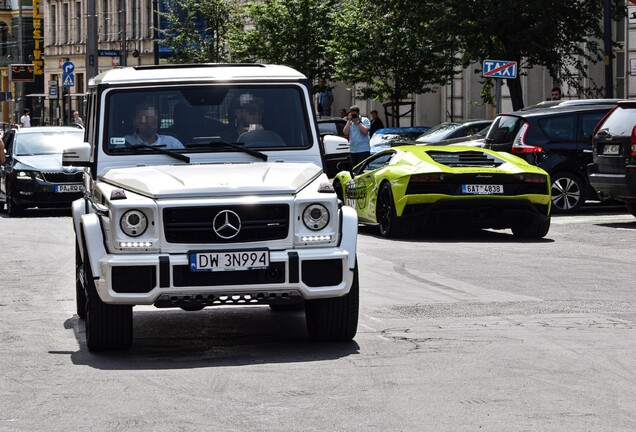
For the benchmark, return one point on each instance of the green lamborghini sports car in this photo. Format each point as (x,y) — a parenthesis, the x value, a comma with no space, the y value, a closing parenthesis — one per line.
(402,189)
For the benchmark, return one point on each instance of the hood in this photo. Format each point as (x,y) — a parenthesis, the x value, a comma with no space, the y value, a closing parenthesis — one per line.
(52,162)
(179,181)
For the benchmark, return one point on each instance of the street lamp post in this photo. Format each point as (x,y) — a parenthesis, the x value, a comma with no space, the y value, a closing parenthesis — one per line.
(155,30)
(607,42)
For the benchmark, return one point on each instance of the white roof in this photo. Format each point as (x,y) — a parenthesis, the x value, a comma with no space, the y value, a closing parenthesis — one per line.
(196,72)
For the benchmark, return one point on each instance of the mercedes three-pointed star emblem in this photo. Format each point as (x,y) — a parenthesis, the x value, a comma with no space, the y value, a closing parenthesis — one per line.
(226,224)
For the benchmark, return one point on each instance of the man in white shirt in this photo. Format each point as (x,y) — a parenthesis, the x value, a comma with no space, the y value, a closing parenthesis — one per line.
(25,120)
(146,124)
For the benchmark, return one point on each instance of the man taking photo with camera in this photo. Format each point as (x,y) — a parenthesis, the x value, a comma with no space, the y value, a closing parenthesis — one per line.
(357,128)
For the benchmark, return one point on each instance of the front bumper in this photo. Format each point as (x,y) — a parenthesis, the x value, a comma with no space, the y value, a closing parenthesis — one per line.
(164,279)
(39,194)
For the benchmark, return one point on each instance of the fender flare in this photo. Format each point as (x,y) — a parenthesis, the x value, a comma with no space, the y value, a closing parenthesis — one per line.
(93,241)
(77,210)
(349,227)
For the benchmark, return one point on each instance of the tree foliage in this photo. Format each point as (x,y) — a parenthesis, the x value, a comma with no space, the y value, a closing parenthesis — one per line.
(290,32)
(562,35)
(393,48)
(198,31)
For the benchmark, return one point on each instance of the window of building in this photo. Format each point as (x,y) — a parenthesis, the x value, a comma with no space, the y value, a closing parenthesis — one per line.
(4,39)
(78,21)
(105,20)
(52,32)
(65,24)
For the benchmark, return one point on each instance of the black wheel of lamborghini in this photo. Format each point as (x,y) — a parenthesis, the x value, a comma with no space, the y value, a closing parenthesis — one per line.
(567,192)
(334,319)
(108,327)
(534,230)
(389,223)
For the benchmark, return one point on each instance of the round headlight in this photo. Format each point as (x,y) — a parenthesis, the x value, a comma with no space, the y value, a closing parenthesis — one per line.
(133,223)
(316,217)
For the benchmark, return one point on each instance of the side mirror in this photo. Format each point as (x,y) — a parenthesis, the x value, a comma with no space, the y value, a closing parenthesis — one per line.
(77,155)
(334,144)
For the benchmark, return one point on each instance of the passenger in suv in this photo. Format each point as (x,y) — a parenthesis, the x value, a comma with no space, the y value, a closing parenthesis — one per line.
(613,171)
(557,139)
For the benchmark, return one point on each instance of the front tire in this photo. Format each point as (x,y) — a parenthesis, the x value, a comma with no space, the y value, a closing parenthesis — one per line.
(334,319)
(13,209)
(108,327)
(567,193)
(80,294)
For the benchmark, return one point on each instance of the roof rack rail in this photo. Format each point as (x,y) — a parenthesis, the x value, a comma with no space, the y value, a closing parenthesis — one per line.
(196,65)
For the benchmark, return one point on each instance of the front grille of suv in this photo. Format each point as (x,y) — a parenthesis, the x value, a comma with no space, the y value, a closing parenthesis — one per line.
(61,177)
(196,224)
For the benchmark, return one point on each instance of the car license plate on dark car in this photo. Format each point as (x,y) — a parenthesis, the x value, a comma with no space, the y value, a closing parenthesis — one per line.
(611,149)
(68,188)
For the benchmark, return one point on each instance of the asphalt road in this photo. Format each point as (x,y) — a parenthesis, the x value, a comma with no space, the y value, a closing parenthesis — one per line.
(458,332)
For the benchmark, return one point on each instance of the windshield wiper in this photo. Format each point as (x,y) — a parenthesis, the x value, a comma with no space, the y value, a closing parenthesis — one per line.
(234,145)
(179,156)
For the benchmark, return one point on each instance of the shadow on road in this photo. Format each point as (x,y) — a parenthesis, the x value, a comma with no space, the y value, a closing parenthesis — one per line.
(222,336)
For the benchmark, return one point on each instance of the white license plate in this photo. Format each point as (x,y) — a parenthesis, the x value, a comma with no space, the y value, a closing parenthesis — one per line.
(481,189)
(68,188)
(611,149)
(229,261)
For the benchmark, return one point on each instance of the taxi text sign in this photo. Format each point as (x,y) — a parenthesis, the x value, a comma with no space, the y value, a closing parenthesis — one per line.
(499,69)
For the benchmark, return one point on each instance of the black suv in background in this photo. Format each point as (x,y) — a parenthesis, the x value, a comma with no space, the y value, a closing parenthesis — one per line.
(557,139)
(613,171)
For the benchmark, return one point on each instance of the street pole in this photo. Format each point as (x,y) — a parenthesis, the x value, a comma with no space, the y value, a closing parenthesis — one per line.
(122,33)
(91,41)
(19,91)
(155,30)
(607,42)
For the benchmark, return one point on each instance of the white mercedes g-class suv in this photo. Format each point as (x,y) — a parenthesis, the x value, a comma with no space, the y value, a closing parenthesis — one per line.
(204,186)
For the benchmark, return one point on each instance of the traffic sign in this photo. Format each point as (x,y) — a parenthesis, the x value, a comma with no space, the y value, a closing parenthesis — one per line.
(499,69)
(53,89)
(68,80)
(68,67)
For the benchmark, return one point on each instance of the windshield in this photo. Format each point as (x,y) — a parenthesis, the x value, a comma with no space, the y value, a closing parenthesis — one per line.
(45,143)
(439,132)
(207,118)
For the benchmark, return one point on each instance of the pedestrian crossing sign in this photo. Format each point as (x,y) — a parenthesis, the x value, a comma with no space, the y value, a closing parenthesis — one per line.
(68,80)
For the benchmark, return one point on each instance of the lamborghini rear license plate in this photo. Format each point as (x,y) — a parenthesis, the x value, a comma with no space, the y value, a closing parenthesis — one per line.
(482,189)
(229,261)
